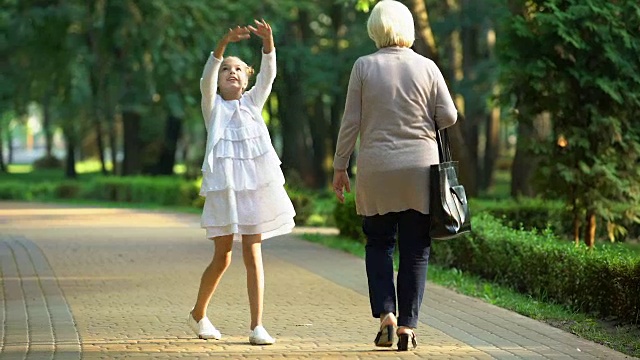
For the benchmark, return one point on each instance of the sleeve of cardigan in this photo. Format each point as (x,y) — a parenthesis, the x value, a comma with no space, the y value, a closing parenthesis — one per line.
(259,93)
(446,113)
(350,126)
(209,86)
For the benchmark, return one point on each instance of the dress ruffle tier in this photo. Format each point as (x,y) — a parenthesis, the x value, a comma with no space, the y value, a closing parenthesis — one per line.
(244,188)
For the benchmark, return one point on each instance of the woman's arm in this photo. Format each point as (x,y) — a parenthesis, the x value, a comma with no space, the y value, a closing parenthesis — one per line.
(350,126)
(348,134)
(209,80)
(446,113)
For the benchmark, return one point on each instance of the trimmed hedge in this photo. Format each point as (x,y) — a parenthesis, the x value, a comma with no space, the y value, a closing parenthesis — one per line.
(529,214)
(605,281)
(541,214)
(161,190)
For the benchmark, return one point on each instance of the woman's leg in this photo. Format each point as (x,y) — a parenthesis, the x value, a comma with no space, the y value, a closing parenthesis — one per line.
(252,256)
(414,245)
(212,274)
(381,241)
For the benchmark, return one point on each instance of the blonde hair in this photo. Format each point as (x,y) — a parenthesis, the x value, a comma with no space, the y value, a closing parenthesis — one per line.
(247,69)
(391,24)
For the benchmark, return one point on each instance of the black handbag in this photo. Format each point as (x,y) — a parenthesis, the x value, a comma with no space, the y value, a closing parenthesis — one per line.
(449,208)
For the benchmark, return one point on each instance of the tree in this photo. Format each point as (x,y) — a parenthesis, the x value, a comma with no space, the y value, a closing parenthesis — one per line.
(579,61)
(460,41)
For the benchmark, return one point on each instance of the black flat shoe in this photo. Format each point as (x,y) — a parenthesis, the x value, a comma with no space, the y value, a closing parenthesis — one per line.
(403,341)
(384,338)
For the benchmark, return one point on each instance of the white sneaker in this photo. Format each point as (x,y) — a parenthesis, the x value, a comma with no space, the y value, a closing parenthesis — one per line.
(204,328)
(260,336)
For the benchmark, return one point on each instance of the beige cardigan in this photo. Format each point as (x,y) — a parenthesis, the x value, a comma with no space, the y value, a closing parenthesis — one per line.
(394,98)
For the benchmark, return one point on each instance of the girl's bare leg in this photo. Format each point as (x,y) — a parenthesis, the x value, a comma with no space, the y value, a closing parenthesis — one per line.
(252,256)
(212,274)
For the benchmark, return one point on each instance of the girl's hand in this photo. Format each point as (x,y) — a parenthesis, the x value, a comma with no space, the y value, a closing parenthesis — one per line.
(262,29)
(237,34)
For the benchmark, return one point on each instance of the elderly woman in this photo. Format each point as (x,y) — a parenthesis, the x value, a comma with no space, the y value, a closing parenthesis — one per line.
(395,101)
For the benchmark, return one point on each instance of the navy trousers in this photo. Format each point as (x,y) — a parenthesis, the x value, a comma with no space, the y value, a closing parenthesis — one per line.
(414,244)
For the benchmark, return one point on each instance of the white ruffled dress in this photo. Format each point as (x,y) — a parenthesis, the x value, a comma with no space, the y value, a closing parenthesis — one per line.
(241,176)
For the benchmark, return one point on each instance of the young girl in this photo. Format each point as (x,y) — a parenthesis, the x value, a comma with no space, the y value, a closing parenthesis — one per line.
(242,180)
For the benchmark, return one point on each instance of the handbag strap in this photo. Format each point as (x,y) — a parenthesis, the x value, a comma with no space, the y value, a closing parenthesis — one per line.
(444,149)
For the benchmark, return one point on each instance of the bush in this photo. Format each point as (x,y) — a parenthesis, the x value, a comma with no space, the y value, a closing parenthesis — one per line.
(303,204)
(605,281)
(151,190)
(161,190)
(47,162)
(67,190)
(14,191)
(542,214)
(529,214)
(347,221)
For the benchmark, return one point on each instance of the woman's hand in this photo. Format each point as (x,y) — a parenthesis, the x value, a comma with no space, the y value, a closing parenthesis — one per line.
(340,183)
(262,29)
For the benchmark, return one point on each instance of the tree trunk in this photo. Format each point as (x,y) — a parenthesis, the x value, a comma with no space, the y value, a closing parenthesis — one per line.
(167,159)
(492,148)
(337,96)
(318,128)
(46,127)
(131,130)
(291,107)
(425,43)
(3,167)
(524,163)
(96,80)
(100,145)
(98,114)
(590,233)
(426,46)
(9,148)
(474,110)
(70,164)
(576,227)
(112,136)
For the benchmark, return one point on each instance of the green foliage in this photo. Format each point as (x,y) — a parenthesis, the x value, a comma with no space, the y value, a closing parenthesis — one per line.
(543,214)
(303,203)
(153,190)
(606,282)
(47,162)
(528,214)
(579,61)
(347,220)
(159,190)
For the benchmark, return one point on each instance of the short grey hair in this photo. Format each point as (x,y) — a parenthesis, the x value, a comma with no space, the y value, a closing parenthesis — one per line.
(391,24)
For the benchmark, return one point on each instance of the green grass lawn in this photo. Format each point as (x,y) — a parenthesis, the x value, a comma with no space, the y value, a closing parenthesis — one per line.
(623,338)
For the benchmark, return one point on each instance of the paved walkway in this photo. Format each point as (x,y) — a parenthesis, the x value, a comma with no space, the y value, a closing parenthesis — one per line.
(108,283)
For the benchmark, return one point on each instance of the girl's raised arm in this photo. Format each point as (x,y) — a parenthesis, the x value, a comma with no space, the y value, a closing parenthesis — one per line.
(209,80)
(267,74)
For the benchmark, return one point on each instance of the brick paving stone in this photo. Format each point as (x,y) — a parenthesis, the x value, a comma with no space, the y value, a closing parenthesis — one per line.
(96,283)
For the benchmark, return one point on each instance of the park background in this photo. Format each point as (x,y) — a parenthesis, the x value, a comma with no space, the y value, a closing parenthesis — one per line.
(548,136)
